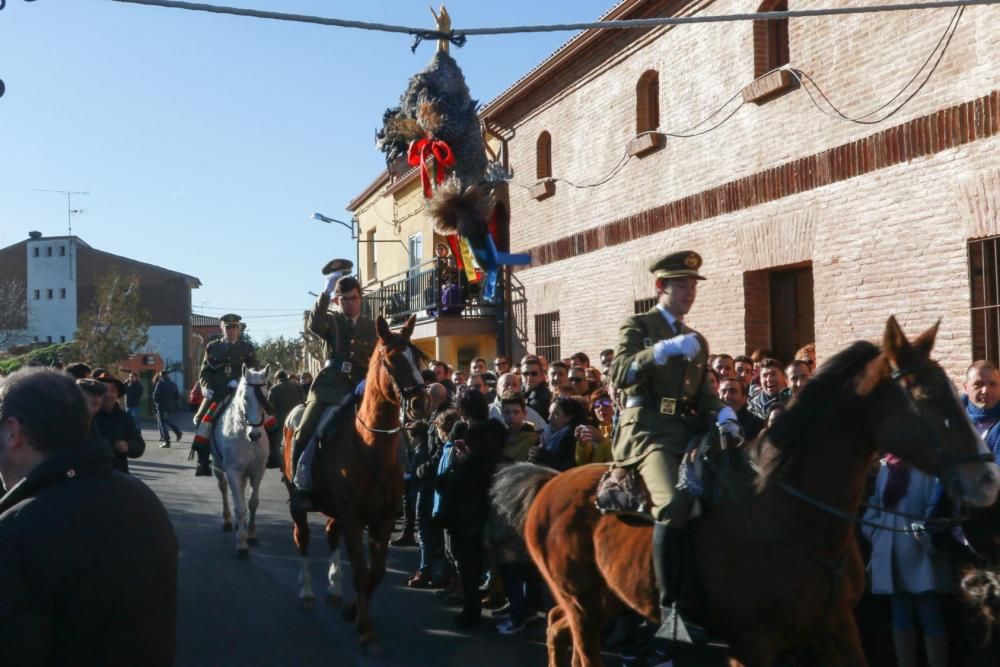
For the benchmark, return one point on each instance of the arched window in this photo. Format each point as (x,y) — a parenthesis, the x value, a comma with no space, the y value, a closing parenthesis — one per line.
(770,40)
(543,156)
(647,102)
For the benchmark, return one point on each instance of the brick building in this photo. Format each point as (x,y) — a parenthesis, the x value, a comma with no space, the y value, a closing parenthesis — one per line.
(60,274)
(810,227)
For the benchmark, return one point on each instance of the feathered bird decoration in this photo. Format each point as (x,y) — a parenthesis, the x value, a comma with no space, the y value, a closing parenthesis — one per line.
(437,128)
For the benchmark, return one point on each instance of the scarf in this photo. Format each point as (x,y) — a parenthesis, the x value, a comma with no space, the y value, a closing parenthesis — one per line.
(898,482)
(983,420)
(552,439)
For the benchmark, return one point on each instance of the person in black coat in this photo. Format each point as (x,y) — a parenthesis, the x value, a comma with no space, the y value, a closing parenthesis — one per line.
(117,427)
(88,557)
(166,397)
(478,445)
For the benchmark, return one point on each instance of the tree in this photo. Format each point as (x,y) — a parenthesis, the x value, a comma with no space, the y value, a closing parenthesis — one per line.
(281,352)
(13,312)
(118,323)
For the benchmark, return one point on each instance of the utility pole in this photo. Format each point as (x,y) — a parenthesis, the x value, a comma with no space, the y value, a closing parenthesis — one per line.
(70,212)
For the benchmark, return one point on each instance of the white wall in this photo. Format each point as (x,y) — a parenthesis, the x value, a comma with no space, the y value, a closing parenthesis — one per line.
(54,317)
(167,340)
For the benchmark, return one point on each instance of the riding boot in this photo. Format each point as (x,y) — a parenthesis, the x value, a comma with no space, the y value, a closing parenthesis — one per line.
(300,501)
(673,566)
(406,539)
(204,468)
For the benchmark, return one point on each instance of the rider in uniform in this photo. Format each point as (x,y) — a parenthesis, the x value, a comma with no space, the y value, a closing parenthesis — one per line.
(659,365)
(220,374)
(349,339)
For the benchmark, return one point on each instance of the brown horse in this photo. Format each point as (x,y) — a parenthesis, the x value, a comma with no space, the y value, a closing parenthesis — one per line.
(779,566)
(358,475)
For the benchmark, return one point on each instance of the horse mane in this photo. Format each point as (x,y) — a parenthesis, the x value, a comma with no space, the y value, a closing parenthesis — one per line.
(802,414)
(234,411)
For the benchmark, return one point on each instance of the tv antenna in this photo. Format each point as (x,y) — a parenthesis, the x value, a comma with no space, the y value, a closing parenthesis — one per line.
(70,212)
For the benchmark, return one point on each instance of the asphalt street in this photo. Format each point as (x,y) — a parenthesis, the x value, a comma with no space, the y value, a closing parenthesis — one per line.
(243,613)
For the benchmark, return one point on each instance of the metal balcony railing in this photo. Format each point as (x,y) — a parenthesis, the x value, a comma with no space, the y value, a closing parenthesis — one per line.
(419,291)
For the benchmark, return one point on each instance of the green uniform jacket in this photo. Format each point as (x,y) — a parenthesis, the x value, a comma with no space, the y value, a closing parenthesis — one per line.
(642,430)
(344,343)
(224,362)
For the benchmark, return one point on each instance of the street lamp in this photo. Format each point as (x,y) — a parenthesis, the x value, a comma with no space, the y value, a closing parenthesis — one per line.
(319,217)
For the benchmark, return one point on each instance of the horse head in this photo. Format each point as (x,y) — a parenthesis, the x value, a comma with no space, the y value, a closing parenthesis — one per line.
(254,400)
(925,422)
(400,362)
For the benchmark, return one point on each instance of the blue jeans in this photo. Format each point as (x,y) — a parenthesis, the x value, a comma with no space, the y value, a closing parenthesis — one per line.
(523,587)
(907,607)
(134,414)
(429,535)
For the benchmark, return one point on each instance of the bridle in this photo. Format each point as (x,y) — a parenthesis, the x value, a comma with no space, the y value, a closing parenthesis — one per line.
(265,407)
(406,393)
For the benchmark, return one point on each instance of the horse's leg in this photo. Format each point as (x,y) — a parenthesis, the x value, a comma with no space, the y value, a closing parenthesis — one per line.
(558,639)
(227,516)
(586,624)
(255,479)
(841,646)
(357,610)
(301,536)
(237,484)
(334,573)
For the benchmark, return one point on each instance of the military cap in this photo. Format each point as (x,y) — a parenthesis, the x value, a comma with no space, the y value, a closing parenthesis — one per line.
(230,319)
(337,265)
(683,264)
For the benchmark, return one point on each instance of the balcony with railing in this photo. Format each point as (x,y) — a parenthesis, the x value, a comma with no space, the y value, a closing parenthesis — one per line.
(425,292)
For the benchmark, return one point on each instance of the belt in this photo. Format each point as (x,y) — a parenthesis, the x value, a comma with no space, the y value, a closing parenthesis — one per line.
(339,365)
(665,406)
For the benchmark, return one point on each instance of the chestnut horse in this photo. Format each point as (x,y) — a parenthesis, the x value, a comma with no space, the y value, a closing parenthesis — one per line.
(779,566)
(358,474)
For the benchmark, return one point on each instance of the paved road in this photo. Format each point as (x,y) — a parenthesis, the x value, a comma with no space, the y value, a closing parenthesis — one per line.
(234,613)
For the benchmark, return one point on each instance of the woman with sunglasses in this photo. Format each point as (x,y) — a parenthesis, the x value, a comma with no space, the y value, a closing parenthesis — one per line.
(593,440)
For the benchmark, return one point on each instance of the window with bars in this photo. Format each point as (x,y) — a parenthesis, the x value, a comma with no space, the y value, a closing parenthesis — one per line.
(644,305)
(984,282)
(547,336)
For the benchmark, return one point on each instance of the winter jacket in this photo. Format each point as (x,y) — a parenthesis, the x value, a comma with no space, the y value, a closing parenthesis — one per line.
(88,566)
(116,425)
(166,396)
(133,394)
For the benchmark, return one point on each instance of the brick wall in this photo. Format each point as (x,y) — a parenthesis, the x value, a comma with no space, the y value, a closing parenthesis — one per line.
(884,221)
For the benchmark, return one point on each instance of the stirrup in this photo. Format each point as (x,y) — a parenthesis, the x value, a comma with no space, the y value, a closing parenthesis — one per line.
(674,628)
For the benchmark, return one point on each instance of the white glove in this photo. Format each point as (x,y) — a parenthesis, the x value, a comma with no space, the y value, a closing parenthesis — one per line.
(728,422)
(208,394)
(331,281)
(233,384)
(685,345)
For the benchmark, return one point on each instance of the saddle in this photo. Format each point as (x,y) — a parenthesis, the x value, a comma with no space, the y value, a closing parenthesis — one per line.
(621,491)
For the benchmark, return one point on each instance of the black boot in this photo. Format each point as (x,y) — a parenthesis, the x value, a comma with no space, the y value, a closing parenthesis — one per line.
(300,502)
(204,469)
(673,564)
(406,539)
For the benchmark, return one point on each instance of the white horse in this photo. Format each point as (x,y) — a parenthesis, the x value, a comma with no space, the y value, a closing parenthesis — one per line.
(240,444)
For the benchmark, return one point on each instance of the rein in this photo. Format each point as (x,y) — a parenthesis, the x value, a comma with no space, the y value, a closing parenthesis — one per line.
(265,406)
(404,393)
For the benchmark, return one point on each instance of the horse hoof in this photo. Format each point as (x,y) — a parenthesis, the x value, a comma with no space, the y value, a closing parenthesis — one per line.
(227,527)
(253,542)
(371,647)
(242,553)
(334,601)
(350,612)
(307,603)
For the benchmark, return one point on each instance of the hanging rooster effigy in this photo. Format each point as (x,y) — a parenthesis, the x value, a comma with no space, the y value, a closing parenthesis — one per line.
(436,127)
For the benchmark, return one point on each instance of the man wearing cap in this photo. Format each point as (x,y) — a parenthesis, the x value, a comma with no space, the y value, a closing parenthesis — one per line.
(349,339)
(220,374)
(659,367)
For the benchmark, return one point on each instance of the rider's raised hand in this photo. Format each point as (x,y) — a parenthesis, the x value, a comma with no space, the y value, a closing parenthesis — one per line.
(686,345)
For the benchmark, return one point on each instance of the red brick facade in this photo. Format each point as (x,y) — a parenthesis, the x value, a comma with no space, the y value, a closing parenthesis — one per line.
(881,213)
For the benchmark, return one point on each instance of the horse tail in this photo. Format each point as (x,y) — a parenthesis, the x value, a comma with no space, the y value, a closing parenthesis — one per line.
(514,489)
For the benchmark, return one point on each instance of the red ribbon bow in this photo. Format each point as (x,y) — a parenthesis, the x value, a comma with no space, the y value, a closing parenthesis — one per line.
(422,149)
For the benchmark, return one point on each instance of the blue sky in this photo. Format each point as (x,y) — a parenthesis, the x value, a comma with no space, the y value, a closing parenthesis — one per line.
(206,141)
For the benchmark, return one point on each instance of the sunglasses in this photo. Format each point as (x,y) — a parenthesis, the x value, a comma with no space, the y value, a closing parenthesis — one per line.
(603,403)
(577,379)
(531,373)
